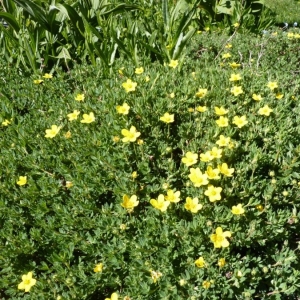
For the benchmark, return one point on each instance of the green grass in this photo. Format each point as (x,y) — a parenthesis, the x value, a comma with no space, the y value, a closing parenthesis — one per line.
(286,10)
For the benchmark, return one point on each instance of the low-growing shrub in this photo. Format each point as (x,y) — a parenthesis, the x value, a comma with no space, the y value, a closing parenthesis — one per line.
(175,181)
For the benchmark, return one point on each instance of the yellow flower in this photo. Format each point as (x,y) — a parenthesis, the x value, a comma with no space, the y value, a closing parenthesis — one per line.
(236,90)
(256,97)
(206,28)
(221,262)
(98,268)
(88,118)
(129,85)
(274,33)
(219,238)
(123,226)
(155,275)
(237,210)
(192,205)
(120,71)
(48,76)
(234,65)
(140,142)
(160,203)
(190,109)
(190,159)
(173,63)
(235,77)
(225,170)
(129,203)
(212,173)
(206,284)
(123,109)
(197,177)
(201,93)
(114,296)
(172,95)
(228,46)
(27,282)
(226,55)
(266,110)
(215,152)
(223,141)
(116,139)
(69,184)
(73,116)
(68,134)
(147,78)
(194,75)
(220,111)
(167,118)
(51,133)
(236,24)
(240,121)
(279,96)
(79,97)
(134,174)
(38,81)
(199,31)
(205,157)
(139,70)
(272,85)
(22,180)
(201,108)
(173,197)
(259,207)
(222,122)
(130,135)
(200,262)
(6,122)
(213,193)
(290,35)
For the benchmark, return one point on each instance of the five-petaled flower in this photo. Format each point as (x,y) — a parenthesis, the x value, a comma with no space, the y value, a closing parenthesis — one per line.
(173,63)
(38,81)
(129,85)
(223,141)
(139,70)
(220,111)
(167,118)
(160,203)
(79,97)
(73,116)
(236,90)
(114,296)
(219,238)
(266,110)
(123,109)
(129,203)
(222,121)
(22,180)
(256,97)
(173,196)
(225,170)
(213,193)
(192,205)
(235,77)
(212,173)
(234,65)
(201,93)
(197,177)
(201,108)
(190,158)
(240,121)
(215,152)
(221,262)
(130,135)
(51,133)
(272,85)
(27,282)
(200,262)
(88,118)
(48,76)
(226,55)
(238,209)
(98,268)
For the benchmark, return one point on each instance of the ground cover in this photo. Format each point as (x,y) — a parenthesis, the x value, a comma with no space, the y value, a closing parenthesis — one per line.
(123,198)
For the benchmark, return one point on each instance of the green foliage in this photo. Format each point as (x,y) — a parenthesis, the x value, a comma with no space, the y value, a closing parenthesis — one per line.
(68,216)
